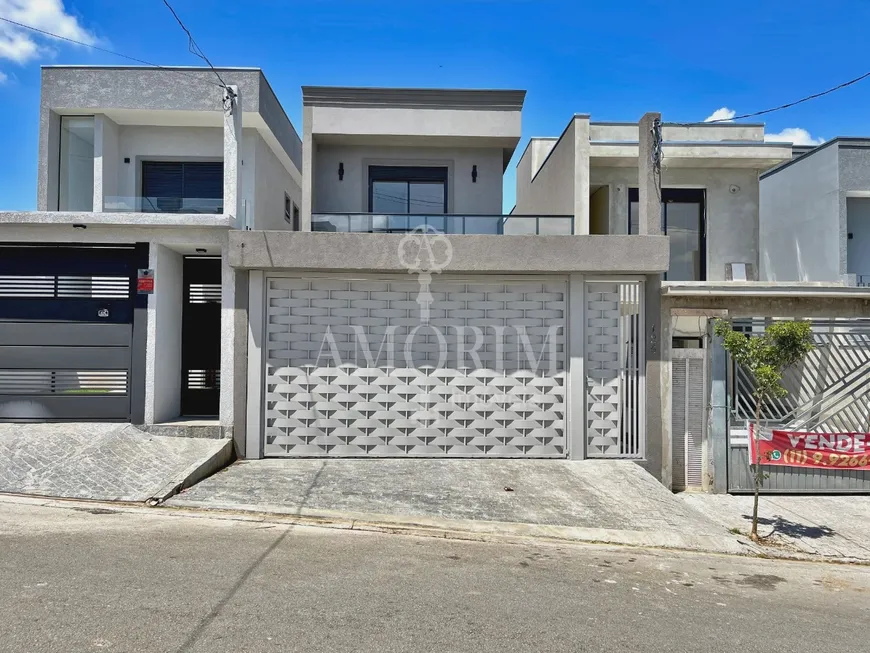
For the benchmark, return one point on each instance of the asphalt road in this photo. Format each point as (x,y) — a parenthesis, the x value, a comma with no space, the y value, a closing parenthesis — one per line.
(75,581)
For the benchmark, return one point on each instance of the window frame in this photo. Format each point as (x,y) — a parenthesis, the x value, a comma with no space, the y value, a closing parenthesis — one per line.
(408,175)
(679,196)
(291,217)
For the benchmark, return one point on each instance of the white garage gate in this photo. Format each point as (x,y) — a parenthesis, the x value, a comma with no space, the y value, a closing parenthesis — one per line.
(353,369)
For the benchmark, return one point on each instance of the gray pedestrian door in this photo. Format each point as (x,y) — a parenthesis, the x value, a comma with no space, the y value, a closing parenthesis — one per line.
(66,324)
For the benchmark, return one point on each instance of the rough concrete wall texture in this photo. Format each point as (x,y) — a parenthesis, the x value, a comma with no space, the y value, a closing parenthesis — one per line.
(471,253)
(800,224)
(732,218)
(351,194)
(551,191)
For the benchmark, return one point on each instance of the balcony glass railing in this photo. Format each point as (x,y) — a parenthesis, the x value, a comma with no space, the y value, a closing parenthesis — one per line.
(373,223)
(122,204)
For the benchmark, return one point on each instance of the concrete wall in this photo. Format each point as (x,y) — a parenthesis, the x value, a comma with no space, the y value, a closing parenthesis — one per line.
(271,181)
(551,190)
(479,254)
(615,131)
(163,353)
(732,218)
(351,194)
(858,242)
(149,96)
(163,144)
(800,235)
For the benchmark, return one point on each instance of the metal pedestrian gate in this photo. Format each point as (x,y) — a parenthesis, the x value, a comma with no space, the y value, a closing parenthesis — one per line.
(688,418)
(66,323)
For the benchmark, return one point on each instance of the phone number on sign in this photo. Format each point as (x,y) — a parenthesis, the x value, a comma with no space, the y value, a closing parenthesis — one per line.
(824,458)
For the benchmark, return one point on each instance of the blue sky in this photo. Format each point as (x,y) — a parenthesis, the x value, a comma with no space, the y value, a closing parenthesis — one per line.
(614,60)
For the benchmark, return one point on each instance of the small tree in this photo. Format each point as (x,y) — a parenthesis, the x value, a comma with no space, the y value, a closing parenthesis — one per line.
(765,356)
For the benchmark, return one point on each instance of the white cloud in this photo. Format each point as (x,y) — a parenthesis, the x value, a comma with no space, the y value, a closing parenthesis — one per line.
(721,115)
(20,45)
(794,135)
(3,77)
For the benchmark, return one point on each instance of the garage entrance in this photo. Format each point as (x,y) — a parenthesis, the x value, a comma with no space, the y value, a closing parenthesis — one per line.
(66,332)
(353,368)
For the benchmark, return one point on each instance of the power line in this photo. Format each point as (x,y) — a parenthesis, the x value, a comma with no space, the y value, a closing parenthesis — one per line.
(96,47)
(791,104)
(194,48)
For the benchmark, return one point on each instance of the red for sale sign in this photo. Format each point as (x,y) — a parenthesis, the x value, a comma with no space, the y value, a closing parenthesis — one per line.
(802,449)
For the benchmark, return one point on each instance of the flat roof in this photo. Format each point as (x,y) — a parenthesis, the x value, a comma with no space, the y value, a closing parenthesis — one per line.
(433,98)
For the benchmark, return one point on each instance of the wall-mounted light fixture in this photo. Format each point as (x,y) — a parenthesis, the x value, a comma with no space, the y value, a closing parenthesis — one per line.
(126,159)
(80,226)
(474,174)
(201,250)
(340,171)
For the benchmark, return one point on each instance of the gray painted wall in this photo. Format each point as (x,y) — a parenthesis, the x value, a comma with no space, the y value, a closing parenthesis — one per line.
(82,90)
(271,182)
(351,194)
(858,227)
(800,224)
(732,218)
(551,191)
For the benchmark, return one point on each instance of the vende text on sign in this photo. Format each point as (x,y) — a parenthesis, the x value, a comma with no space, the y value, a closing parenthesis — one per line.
(803,449)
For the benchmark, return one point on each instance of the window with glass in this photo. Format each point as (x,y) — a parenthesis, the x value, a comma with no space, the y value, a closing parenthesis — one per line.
(406,190)
(683,214)
(76,182)
(182,186)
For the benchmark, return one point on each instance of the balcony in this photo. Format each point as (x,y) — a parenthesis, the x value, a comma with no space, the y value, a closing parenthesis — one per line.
(187,205)
(511,225)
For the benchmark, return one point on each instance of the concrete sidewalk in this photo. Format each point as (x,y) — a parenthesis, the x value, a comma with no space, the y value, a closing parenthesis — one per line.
(827,527)
(103,461)
(614,502)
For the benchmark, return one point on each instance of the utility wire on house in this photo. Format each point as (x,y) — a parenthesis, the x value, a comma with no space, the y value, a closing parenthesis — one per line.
(194,48)
(107,51)
(790,104)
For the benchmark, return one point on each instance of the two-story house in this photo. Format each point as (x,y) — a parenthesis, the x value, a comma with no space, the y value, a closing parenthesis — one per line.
(410,317)
(116,302)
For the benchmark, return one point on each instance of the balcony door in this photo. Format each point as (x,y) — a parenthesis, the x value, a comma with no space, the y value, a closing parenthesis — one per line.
(683,215)
(182,187)
(406,191)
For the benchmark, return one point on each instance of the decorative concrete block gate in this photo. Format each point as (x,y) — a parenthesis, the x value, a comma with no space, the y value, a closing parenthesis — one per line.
(352,366)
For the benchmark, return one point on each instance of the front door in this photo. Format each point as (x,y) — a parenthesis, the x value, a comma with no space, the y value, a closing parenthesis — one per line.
(201,337)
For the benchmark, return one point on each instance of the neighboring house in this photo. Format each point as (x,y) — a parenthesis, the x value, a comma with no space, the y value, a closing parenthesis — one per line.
(815,215)
(709,189)
(508,336)
(140,169)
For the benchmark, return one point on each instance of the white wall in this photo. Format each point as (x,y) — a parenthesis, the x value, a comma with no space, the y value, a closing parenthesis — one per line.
(858,227)
(800,237)
(271,182)
(732,218)
(351,194)
(163,143)
(551,191)
(163,354)
(106,162)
